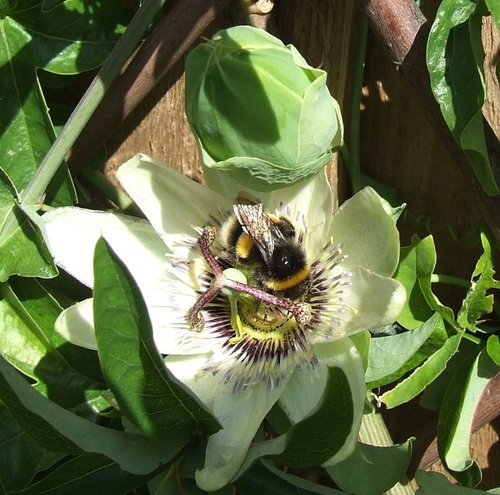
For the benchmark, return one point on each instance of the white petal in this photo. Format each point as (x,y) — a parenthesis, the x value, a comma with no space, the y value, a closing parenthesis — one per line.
(173,203)
(240,415)
(313,199)
(76,324)
(72,234)
(372,301)
(367,233)
(303,392)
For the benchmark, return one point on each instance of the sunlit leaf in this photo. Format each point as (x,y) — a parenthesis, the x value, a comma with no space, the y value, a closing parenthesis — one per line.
(43,309)
(493,348)
(371,469)
(433,394)
(67,39)
(144,389)
(22,248)
(457,411)
(477,302)
(419,379)
(25,130)
(454,59)
(415,270)
(24,345)
(425,264)
(416,311)
(393,356)
(494,8)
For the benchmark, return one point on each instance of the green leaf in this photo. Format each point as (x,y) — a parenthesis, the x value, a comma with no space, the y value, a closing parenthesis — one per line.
(20,456)
(71,38)
(264,478)
(61,431)
(425,265)
(433,394)
(25,346)
(146,392)
(393,356)
(415,270)
(457,411)
(25,130)
(68,39)
(434,483)
(411,386)
(321,435)
(454,60)
(85,474)
(371,469)
(22,248)
(477,302)
(493,348)
(494,8)
(43,309)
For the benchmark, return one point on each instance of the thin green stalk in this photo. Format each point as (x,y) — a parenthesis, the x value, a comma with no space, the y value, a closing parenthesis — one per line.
(354,166)
(374,431)
(92,97)
(450,280)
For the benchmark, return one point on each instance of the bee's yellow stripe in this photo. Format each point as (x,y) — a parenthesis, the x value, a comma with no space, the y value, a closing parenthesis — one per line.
(288,283)
(244,246)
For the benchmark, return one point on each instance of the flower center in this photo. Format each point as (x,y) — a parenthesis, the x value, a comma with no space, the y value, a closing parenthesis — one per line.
(260,321)
(268,328)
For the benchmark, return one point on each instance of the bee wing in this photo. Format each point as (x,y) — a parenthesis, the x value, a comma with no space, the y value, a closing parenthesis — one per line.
(258,225)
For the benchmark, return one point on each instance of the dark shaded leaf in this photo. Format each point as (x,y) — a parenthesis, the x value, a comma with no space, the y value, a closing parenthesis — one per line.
(265,479)
(86,474)
(20,456)
(61,431)
(372,469)
(146,392)
(321,435)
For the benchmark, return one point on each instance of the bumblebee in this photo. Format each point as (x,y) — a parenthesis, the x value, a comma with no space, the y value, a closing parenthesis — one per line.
(267,245)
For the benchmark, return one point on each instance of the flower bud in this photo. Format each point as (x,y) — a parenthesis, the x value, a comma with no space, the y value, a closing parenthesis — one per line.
(259,112)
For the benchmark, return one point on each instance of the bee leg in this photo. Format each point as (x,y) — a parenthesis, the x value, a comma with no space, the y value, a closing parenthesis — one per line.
(301,311)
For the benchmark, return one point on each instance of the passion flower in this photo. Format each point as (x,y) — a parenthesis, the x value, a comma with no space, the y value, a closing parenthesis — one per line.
(253,348)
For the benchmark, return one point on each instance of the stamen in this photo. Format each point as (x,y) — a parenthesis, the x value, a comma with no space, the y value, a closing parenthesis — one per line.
(301,311)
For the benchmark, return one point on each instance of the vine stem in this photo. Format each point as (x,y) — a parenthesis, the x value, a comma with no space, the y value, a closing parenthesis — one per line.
(437,278)
(141,21)
(354,156)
